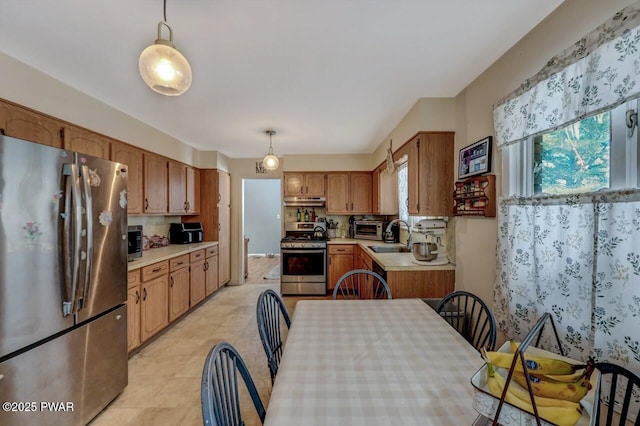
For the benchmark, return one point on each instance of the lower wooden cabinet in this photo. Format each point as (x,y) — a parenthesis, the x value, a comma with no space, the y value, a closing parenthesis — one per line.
(340,262)
(211,270)
(154,312)
(409,284)
(161,293)
(133,309)
(198,282)
(178,292)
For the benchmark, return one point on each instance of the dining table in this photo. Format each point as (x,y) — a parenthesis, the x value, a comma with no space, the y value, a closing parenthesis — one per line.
(373,362)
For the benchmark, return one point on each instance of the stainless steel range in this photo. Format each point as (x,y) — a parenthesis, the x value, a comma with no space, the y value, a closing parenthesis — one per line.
(303,257)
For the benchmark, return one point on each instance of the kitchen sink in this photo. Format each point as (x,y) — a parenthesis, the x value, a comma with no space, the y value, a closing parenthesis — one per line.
(390,249)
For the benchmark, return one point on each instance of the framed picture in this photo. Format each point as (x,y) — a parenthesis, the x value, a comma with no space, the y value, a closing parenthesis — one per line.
(475,159)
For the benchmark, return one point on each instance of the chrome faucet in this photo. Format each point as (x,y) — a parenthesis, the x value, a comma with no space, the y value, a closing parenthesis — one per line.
(399,221)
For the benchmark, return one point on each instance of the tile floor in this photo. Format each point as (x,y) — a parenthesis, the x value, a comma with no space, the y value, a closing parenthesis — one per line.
(164,377)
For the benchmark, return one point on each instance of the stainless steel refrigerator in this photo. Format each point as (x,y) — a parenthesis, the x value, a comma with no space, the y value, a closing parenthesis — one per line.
(63,284)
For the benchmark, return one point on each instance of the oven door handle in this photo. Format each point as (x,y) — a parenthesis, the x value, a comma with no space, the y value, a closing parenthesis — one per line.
(302,251)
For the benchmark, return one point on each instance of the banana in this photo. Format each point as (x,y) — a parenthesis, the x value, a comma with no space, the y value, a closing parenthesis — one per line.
(561,415)
(575,377)
(538,365)
(541,401)
(573,392)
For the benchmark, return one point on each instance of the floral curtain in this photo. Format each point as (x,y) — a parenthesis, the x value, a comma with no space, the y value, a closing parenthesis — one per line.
(599,72)
(577,257)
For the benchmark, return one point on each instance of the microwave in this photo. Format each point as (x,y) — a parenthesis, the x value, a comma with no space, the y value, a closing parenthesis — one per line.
(368,229)
(134,242)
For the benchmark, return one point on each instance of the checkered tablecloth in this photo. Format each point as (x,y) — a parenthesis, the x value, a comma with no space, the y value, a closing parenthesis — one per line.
(373,362)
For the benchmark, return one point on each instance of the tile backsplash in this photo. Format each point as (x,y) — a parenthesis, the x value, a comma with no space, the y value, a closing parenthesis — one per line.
(153,225)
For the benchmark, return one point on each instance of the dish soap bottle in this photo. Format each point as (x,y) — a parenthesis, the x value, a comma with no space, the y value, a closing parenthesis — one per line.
(298,216)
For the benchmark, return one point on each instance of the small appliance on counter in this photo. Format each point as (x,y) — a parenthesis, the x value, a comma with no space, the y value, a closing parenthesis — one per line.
(368,229)
(134,242)
(185,233)
(393,235)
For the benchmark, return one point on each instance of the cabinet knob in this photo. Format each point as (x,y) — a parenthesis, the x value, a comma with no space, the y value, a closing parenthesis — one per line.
(144,294)
(171,282)
(137,297)
(146,204)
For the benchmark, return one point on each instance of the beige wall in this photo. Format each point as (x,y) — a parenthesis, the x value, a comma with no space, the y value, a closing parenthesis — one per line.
(476,237)
(435,114)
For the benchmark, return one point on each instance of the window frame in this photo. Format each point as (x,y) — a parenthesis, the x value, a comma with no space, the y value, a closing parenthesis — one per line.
(624,158)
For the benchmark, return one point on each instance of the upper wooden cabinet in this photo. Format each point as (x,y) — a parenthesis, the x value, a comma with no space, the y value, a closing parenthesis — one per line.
(29,125)
(193,190)
(184,189)
(86,142)
(307,184)
(430,173)
(155,184)
(349,193)
(133,158)
(384,192)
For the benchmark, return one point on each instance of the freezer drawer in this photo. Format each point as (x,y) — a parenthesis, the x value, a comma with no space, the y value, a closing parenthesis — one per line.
(85,369)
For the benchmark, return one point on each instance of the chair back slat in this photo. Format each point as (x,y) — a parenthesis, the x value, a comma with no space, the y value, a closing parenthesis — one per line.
(220,392)
(361,284)
(470,317)
(625,387)
(269,310)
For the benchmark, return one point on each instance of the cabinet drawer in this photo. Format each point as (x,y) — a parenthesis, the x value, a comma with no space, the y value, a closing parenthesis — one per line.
(133,278)
(154,271)
(211,251)
(341,249)
(197,255)
(178,262)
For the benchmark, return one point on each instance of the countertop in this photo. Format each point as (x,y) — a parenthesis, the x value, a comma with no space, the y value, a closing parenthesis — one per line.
(392,261)
(154,255)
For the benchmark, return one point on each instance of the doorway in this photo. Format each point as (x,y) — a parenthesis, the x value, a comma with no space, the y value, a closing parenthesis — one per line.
(262,227)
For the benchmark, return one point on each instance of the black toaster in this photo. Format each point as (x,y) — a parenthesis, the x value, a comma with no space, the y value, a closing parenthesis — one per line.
(185,233)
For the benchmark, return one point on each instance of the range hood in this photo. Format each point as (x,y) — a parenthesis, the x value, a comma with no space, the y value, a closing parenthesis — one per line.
(305,201)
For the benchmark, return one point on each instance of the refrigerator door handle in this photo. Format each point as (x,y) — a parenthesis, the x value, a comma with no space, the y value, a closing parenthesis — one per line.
(72,236)
(88,234)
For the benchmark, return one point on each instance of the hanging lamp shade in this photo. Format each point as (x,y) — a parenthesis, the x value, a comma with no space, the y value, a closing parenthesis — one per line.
(163,67)
(270,161)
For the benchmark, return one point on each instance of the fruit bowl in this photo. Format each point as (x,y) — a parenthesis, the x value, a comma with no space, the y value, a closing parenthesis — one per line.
(485,403)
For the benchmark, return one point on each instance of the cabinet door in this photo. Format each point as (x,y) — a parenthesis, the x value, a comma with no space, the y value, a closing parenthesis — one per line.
(224,245)
(339,264)
(360,191)
(314,184)
(178,293)
(436,173)
(413,170)
(29,125)
(293,184)
(155,184)
(211,274)
(338,193)
(193,190)
(132,157)
(198,282)
(154,308)
(387,193)
(133,318)
(177,188)
(86,142)
(224,186)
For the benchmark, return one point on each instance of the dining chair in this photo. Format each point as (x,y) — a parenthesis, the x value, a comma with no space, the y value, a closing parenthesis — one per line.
(361,284)
(626,389)
(268,312)
(220,394)
(471,317)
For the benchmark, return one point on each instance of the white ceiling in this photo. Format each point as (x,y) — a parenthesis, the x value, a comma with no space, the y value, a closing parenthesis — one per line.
(330,76)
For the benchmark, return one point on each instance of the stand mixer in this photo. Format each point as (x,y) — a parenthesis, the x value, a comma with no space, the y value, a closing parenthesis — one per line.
(433,231)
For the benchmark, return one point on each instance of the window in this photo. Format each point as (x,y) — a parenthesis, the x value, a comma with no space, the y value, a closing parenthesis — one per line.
(589,155)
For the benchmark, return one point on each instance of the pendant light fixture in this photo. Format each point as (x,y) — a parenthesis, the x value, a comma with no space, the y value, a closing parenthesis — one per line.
(270,161)
(162,67)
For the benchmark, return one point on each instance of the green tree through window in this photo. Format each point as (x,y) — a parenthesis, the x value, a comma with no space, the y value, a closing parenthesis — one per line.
(574,158)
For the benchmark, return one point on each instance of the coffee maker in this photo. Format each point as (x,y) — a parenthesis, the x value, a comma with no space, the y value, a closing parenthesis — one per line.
(393,236)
